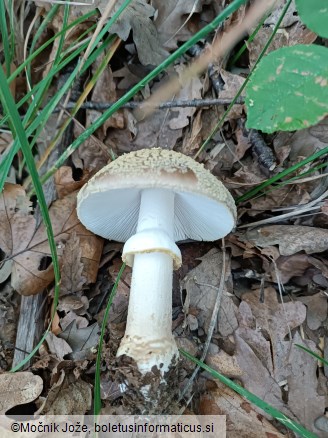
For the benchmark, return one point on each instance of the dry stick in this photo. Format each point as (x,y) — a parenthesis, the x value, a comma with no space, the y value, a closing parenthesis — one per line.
(171,104)
(219,48)
(30,326)
(302,209)
(214,318)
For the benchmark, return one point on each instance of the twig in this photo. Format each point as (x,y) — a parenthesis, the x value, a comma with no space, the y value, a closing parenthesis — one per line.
(213,322)
(302,209)
(100,106)
(218,49)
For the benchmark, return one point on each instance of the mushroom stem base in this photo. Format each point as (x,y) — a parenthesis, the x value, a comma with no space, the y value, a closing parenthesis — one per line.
(148,337)
(147,394)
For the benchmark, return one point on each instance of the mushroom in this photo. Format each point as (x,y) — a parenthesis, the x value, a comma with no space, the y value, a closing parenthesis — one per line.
(151,199)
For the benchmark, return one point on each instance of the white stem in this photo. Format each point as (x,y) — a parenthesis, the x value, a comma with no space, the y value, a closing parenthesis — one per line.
(148,338)
(156,211)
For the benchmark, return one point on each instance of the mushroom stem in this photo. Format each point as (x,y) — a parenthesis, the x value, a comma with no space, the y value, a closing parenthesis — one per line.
(148,338)
(156,211)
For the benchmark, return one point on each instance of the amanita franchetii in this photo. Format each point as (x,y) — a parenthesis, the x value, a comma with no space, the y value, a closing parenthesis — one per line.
(151,199)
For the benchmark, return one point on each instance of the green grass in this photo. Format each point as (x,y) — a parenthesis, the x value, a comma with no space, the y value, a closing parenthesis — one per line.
(282,418)
(26,132)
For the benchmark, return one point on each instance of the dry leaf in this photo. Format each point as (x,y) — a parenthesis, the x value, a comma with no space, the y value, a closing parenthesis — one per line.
(243,421)
(252,334)
(201,285)
(72,303)
(18,389)
(28,248)
(303,398)
(317,307)
(67,397)
(17,224)
(171,16)
(92,155)
(276,321)
(320,130)
(58,347)
(64,182)
(72,279)
(289,267)
(302,143)
(290,238)
(136,17)
(104,91)
(81,340)
(191,91)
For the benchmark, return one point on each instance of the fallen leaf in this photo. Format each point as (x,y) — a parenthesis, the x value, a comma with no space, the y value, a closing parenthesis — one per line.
(290,238)
(72,279)
(81,340)
(92,155)
(136,17)
(81,322)
(303,397)
(317,307)
(276,320)
(18,389)
(171,16)
(58,347)
(65,183)
(104,91)
(73,303)
(191,91)
(28,248)
(243,420)
(256,377)
(320,131)
(201,284)
(250,331)
(289,267)
(296,34)
(67,397)
(289,18)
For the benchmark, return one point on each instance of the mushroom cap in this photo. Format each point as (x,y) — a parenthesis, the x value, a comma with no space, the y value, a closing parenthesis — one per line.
(108,204)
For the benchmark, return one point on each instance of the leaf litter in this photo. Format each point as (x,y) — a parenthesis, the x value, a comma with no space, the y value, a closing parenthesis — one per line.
(275,283)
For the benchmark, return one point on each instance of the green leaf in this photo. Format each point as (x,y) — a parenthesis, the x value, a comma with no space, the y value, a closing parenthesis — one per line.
(314,13)
(289,89)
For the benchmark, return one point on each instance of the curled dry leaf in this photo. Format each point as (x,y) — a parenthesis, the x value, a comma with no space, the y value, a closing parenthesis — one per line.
(28,247)
(171,17)
(290,238)
(18,389)
(136,17)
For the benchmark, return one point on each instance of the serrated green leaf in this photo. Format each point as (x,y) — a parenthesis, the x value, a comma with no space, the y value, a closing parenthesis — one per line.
(289,89)
(314,13)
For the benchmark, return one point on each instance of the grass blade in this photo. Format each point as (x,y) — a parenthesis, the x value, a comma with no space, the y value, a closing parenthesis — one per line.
(20,134)
(97,395)
(282,418)
(124,99)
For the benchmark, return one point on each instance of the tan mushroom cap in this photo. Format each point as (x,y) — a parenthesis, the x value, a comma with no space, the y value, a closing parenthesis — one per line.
(109,203)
